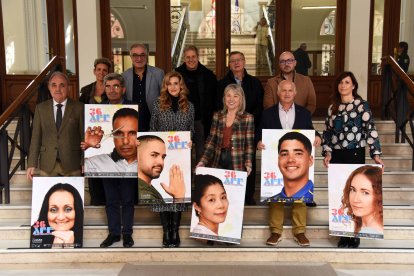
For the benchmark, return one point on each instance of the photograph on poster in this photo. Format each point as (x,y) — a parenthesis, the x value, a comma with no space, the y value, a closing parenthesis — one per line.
(355,201)
(57,212)
(110,140)
(218,205)
(164,167)
(287,172)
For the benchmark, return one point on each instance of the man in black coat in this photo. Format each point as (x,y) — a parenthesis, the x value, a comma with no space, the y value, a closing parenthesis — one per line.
(303,62)
(253,91)
(202,84)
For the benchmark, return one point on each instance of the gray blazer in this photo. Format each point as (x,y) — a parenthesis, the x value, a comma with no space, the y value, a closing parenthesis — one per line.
(153,84)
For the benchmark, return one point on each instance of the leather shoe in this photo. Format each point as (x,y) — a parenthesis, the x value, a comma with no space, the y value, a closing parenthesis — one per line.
(127,240)
(110,240)
(311,204)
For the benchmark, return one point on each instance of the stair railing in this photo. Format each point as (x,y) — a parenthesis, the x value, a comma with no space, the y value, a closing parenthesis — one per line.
(397,87)
(20,140)
(180,37)
(270,41)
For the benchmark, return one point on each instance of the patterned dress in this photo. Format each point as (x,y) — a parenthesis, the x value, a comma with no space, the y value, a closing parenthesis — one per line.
(351,128)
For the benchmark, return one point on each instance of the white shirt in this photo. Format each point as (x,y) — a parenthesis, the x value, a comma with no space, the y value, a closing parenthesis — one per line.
(104,166)
(201,229)
(55,108)
(287,117)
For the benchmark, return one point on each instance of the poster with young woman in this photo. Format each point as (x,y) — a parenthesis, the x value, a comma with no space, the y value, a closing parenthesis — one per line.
(287,165)
(218,205)
(110,140)
(57,212)
(164,167)
(355,201)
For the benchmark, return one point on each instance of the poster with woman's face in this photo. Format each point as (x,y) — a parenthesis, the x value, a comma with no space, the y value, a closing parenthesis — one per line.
(287,172)
(218,205)
(110,139)
(355,201)
(57,212)
(164,167)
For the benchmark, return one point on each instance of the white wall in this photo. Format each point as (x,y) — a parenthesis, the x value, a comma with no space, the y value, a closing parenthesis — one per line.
(89,39)
(357,41)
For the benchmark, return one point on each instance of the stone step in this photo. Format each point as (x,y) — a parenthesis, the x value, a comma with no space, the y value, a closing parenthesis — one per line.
(257,215)
(251,250)
(24,194)
(260,233)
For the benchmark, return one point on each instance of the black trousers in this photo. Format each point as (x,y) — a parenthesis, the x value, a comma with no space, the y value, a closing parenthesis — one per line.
(96,190)
(120,192)
(348,156)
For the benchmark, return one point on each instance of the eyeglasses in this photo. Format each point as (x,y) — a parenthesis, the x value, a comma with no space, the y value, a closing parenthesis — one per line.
(286,61)
(236,60)
(116,87)
(137,56)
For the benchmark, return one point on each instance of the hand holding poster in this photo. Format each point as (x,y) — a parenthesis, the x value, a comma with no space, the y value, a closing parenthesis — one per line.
(355,201)
(110,140)
(57,212)
(218,205)
(164,167)
(287,165)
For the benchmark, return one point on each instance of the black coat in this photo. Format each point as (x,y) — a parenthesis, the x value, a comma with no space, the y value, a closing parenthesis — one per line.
(271,120)
(207,88)
(253,91)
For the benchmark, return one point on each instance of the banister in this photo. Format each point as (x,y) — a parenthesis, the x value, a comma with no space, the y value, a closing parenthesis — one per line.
(400,72)
(29,91)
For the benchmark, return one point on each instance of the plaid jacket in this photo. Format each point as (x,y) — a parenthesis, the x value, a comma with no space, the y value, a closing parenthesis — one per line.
(242,140)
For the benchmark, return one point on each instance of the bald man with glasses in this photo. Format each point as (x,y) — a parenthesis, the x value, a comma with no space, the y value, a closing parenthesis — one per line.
(305,96)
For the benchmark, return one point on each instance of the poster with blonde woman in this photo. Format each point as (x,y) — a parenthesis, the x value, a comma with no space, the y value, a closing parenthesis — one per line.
(57,212)
(164,167)
(218,205)
(355,201)
(288,168)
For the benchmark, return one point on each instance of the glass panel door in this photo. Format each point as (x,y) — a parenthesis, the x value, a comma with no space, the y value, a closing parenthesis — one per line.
(25,36)
(252,33)
(193,22)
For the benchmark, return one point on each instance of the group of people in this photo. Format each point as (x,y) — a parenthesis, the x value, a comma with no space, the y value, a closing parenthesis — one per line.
(225,119)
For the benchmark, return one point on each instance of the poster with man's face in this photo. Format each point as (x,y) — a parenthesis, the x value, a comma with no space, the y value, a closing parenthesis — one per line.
(110,140)
(57,212)
(218,205)
(355,201)
(164,167)
(287,172)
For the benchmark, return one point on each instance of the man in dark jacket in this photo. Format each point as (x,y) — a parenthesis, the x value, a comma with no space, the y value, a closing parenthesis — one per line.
(253,91)
(202,84)
(303,62)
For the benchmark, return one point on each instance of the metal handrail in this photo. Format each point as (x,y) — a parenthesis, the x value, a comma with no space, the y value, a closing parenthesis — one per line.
(21,139)
(180,36)
(393,75)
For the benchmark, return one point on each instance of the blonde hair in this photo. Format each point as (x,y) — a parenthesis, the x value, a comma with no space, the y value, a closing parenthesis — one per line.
(238,90)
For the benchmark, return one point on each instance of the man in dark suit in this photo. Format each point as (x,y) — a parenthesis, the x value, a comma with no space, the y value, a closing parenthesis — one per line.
(286,115)
(143,84)
(57,132)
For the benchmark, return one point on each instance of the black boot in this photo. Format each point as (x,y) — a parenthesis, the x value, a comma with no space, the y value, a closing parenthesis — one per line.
(165,222)
(175,229)
(343,242)
(354,242)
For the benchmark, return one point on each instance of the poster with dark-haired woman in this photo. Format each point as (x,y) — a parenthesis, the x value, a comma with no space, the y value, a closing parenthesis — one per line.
(218,205)
(57,212)
(355,201)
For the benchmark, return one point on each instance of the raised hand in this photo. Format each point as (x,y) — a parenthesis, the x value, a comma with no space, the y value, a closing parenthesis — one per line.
(93,137)
(176,189)
(67,237)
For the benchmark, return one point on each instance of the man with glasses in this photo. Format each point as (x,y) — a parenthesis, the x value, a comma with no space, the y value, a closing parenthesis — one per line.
(305,96)
(143,83)
(253,91)
(202,85)
(123,160)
